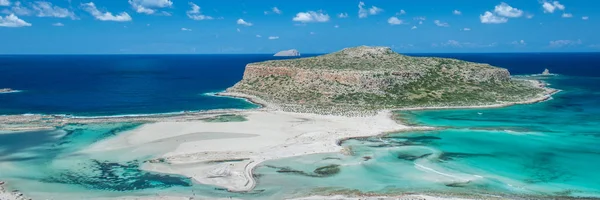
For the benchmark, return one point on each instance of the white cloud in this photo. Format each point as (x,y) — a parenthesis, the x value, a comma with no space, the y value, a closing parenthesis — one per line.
(519,43)
(276,10)
(149,6)
(186,29)
(365,12)
(343,15)
(420,19)
(413,28)
(18,10)
(336,26)
(46,9)
(567,15)
(311,16)
(440,23)
(402,12)
(394,21)
(562,43)
(313,33)
(505,10)
(585,17)
(273,37)
(195,13)
(550,7)
(466,29)
(242,22)
(58,24)
(106,16)
(258,36)
(529,16)
(457,12)
(12,21)
(489,18)
(4,3)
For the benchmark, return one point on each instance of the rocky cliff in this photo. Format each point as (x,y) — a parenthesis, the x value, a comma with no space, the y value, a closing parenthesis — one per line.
(377,78)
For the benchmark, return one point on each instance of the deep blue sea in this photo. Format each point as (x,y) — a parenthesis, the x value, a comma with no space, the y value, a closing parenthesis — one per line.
(87,85)
(548,150)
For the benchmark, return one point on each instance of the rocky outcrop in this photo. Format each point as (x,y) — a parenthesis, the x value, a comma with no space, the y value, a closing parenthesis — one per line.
(291,52)
(376,77)
(546,72)
(6,90)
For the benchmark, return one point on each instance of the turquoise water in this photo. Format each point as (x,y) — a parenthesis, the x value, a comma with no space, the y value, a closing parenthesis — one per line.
(549,149)
(539,150)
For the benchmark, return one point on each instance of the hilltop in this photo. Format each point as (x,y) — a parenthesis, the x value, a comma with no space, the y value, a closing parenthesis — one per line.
(372,78)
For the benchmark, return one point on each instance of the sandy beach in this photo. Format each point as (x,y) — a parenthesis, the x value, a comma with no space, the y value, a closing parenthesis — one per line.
(224,154)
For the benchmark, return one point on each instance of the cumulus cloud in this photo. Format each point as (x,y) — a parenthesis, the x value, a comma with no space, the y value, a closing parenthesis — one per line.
(365,12)
(12,21)
(4,3)
(244,23)
(311,16)
(413,28)
(343,15)
(562,43)
(149,6)
(186,29)
(585,17)
(58,24)
(276,10)
(489,18)
(457,12)
(105,16)
(440,23)
(195,13)
(46,9)
(550,7)
(394,21)
(402,12)
(420,19)
(567,15)
(273,37)
(505,10)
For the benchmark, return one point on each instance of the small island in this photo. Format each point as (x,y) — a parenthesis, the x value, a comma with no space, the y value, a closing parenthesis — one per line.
(288,53)
(7,90)
(376,78)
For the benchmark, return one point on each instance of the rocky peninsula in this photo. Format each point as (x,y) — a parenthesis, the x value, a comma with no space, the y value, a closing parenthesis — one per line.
(375,78)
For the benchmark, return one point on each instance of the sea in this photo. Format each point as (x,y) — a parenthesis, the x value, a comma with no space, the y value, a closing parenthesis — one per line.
(547,150)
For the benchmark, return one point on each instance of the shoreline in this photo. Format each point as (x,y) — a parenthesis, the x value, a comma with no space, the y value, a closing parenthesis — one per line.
(310,138)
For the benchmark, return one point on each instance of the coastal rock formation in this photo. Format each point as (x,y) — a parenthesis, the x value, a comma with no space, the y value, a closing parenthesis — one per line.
(546,72)
(6,90)
(291,52)
(371,78)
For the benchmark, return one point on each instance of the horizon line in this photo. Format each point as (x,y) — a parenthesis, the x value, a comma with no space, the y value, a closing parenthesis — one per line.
(408,53)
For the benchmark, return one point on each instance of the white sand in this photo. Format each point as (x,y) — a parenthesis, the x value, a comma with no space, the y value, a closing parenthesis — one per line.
(266,135)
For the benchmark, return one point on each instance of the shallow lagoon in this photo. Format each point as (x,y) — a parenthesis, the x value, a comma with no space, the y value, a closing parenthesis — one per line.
(545,149)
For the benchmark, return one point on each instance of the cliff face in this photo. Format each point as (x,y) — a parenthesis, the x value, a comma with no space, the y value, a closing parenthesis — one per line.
(376,77)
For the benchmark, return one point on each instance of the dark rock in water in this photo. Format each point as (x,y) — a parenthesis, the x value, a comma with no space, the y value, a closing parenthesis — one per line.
(328,170)
(447,156)
(412,157)
(117,177)
(458,184)
(367,158)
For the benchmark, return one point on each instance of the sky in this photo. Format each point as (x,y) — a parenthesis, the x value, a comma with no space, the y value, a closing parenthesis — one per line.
(310,26)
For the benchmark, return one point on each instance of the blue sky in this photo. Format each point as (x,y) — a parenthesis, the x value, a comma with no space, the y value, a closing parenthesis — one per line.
(311,26)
